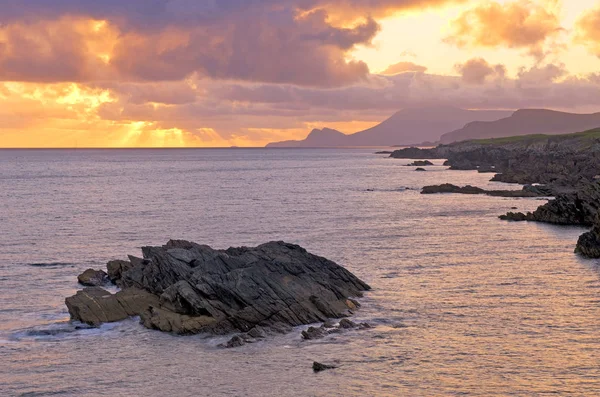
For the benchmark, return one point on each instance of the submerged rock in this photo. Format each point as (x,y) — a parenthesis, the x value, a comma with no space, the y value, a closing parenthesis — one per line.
(187,288)
(421,169)
(93,278)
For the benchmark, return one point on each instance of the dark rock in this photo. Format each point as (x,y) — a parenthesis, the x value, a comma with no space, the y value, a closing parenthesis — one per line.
(318,367)
(449,188)
(236,341)
(187,288)
(347,324)
(420,163)
(515,217)
(257,333)
(93,278)
(329,324)
(115,269)
(416,153)
(420,169)
(588,244)
(315,333)
(384,152)
(487,169)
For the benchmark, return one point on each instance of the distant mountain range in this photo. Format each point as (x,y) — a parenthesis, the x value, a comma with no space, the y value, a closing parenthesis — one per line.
(525,122)
(406,127)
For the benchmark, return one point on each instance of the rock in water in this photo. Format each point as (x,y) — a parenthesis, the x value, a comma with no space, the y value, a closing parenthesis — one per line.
(318,367)
(588,244)
(187,288)
(93,278)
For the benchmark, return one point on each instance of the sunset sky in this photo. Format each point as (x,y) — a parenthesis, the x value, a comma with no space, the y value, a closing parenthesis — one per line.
(120,73)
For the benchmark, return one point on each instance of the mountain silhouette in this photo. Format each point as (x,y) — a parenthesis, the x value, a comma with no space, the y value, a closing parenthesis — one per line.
(406,127)
(525,122)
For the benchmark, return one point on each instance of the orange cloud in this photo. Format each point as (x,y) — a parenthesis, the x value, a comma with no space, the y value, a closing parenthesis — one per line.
(521,24)
(64,50)
(477,70)
(588,30)
(402,67)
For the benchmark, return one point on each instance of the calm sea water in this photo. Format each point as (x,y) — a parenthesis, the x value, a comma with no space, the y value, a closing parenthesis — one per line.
(463,303)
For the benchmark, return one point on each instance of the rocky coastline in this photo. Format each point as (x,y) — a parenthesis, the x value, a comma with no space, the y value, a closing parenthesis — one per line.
(564,167)
(187,288)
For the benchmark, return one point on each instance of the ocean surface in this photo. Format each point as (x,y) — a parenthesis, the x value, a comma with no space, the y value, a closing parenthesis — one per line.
(463,304)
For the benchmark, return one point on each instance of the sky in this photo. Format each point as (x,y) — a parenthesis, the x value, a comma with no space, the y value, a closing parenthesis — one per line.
(219,73)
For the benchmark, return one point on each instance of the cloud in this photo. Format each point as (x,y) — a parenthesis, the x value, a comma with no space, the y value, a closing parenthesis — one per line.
(521,24)
(588,30)
(539,75)
(303,42)
(477,70)
(402,67)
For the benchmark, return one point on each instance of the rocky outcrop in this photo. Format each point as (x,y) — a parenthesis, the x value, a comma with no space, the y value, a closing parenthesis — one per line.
(578,208)
(567,167)
(93,278)
(187,288)
(527,191)
(588,244)
(416,153)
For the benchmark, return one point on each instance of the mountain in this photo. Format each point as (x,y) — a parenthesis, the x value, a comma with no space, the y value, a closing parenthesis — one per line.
(326,137)
(525,122)
(406,127)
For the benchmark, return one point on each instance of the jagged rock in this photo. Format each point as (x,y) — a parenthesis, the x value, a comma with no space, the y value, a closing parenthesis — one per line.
(95,305)
(116,268)
(588,244)
(187,288)
(93,278)
(315,333)
(318,367)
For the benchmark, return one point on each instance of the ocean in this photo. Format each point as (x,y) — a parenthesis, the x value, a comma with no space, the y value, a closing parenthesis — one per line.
(463,304)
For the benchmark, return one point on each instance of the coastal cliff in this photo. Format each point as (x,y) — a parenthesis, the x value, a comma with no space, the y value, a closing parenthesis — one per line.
(567,167)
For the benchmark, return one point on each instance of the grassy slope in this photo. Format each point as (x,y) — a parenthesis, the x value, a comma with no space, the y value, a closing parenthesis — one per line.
(590,134)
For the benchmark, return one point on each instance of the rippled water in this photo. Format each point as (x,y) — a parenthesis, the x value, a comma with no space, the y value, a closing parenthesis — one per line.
(463,303)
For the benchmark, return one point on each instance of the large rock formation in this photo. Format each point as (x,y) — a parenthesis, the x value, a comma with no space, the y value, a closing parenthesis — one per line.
(589,243)
(187,288)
